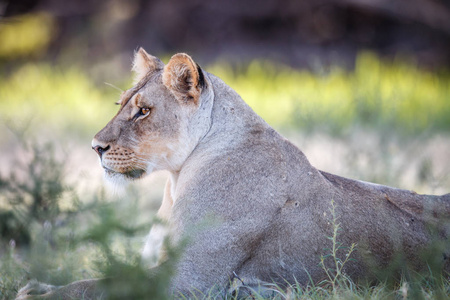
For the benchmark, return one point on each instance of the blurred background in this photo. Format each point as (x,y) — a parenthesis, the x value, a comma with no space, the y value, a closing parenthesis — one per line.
(361,75)
(361,86)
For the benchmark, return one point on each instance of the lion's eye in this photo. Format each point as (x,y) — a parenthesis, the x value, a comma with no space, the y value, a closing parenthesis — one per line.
(142,113)
(145,110)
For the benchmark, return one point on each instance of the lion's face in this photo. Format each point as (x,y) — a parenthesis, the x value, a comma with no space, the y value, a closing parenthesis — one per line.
(154,128)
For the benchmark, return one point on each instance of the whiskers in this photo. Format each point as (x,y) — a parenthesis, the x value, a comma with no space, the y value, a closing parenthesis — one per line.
(114,87)
(146,155)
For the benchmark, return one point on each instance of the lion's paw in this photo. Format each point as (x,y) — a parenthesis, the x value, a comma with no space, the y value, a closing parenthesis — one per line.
(33,290)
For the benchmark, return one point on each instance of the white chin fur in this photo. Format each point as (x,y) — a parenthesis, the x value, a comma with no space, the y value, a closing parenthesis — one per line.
(116,183)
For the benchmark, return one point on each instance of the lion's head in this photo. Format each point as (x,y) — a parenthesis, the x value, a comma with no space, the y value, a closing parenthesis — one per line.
(160,121)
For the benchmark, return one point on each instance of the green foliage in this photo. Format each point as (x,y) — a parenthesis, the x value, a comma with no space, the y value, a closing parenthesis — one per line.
(31,197)
(12,272)
(31,193)
(126,277)
(51,236)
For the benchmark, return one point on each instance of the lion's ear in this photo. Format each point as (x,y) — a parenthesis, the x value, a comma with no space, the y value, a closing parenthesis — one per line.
(144,64)
(184,78)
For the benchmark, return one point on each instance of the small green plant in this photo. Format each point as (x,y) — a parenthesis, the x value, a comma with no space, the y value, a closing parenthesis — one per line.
(32,193)
(336,276)
(119,261)
(31,210)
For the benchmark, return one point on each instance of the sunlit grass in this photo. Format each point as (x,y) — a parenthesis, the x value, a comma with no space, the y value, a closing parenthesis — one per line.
(396,96)
(376,93)
(44,96)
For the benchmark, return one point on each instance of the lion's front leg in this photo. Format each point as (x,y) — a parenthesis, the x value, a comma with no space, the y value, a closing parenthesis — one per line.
(83,289)
(212,257)
(153,252)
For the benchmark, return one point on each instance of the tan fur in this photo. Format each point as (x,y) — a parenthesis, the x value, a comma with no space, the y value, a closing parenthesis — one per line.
(248,200)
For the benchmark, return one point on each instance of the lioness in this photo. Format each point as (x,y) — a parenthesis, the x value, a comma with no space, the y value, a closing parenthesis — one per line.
(271,208)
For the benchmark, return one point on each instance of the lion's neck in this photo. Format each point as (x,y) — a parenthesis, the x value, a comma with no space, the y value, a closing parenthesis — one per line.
(230,116)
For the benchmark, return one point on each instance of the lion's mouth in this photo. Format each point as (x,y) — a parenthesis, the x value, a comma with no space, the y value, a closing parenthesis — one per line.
(132,174)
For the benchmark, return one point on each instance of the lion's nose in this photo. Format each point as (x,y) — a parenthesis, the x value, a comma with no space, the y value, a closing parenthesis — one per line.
(100,149)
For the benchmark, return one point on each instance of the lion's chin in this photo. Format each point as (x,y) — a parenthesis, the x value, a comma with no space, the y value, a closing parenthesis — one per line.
(123,178)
